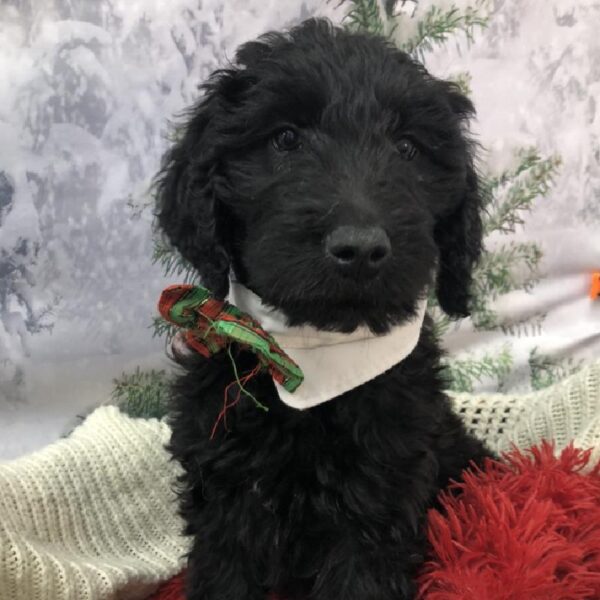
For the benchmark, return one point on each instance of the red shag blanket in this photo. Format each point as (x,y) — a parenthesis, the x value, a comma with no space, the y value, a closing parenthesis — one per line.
(526,528)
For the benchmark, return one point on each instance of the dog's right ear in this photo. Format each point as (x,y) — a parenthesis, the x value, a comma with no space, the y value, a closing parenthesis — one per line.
(459,234)
(187,207)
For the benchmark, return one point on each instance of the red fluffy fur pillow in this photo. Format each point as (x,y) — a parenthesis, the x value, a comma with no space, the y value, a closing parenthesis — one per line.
(527,528)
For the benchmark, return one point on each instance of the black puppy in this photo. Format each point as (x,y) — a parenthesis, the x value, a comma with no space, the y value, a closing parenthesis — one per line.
(331,174)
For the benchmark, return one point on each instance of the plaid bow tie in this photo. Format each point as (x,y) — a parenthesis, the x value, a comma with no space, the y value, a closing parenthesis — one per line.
(212,325)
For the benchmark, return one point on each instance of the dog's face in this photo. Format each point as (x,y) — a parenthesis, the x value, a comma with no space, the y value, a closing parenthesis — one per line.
(332,174)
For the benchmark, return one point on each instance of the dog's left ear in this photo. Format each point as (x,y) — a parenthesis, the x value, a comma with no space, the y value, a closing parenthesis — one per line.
(459,234)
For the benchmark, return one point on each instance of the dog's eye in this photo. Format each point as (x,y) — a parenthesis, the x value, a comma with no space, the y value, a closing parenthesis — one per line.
(406,149)
(286,140)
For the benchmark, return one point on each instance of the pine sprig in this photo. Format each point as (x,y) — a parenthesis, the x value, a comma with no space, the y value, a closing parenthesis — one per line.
(498,273)
(507,197)
(439,24)
(142,394)
(515,191)
(546,370)
(463,81)
(527,157)
(495,274)
(162,328)
(441,322)
(463,374)
(365,17)
(172,262)
(527,326)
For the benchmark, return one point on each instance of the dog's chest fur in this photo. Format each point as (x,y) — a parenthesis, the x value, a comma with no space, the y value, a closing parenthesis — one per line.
(285,487)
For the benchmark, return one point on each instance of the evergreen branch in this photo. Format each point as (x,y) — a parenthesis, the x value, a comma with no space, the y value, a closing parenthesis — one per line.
(527,157)
(161,328)
(482,316)
(531,179)
(142,394)
(495,275)
(172,262)
(438,24)
(464,373)
(524,327)
(463,82)
(440,320)
(546,371)
(364,17)
(506,197)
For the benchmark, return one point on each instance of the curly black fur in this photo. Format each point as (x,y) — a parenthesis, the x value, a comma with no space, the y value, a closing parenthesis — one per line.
(327,503)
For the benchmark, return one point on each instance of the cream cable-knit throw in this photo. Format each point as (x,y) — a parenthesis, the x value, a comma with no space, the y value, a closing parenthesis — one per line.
(93,516)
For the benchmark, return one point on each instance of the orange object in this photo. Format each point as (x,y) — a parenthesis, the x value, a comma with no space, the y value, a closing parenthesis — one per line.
(595,287)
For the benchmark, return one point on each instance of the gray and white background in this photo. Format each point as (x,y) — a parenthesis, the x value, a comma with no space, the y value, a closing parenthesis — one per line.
(86,91)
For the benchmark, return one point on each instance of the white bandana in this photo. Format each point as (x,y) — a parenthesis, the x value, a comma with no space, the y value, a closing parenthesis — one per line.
(332,363)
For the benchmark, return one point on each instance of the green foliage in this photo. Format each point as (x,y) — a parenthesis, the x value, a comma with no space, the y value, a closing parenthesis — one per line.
(435,28)
(546,370)
(497,273)
(463,374)
(463,81)
(441,321)
(142,394)
(439,24)
(162,328)
(526,326)
(511,266)
(364,16)
(172,263)
(515,190)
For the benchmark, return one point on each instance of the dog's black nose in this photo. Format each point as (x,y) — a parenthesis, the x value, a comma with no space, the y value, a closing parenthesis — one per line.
(358,249)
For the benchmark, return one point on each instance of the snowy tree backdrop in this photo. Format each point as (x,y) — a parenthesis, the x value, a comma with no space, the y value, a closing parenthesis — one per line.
(87,89)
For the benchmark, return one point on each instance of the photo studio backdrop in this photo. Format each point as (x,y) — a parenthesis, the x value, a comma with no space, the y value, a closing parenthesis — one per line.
(87,89)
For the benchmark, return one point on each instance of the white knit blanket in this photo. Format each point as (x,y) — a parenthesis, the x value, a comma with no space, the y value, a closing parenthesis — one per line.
(93,516)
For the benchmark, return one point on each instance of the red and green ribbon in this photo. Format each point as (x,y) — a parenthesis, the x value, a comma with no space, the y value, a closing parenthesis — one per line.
(211,326)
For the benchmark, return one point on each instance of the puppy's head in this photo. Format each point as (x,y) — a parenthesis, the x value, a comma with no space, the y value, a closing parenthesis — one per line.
(332,175)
